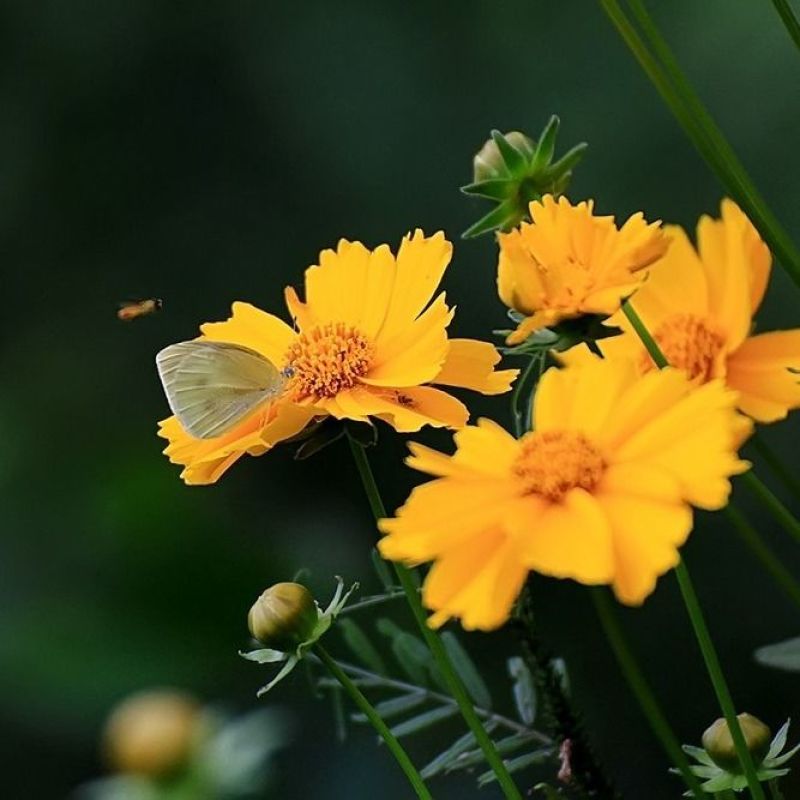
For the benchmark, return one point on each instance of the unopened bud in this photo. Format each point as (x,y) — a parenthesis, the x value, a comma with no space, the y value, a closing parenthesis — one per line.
(283,616)
(488,163)
(152,733)
(718,742)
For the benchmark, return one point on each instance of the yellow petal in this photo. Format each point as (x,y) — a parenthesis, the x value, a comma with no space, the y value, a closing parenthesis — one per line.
(470,364)
(250,327)
(760,370)
(416,354)
(406,410)
(646,536)
(441,515)
(570,539)
(477,583)
(421,262)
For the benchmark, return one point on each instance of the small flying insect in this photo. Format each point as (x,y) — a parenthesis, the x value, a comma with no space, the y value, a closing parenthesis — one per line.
(133,309)
(212,386)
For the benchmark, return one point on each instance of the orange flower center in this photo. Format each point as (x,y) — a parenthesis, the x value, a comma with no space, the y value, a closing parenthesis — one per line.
(326,360)
(689,343)
(553,462)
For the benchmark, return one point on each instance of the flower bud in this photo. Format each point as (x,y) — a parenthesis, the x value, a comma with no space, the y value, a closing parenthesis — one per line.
(718,742)
(488,163)
(152,733)
(283,616)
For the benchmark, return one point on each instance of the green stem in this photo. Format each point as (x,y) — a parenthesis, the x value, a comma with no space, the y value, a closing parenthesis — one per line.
(641,689)
(718,679)
(779,512)
(789,19)
(693,605)
(432,640)
(698,124)
(518,415)
(777,466)
(773,565)
(414,778)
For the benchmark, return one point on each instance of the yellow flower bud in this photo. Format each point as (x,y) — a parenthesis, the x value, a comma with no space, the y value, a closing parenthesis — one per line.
(488,163)
(152,733)
(283,616)
(718,742)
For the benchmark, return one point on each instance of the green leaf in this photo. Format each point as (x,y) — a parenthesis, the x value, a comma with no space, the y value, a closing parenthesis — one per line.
(500,216)
(779,740)
(264,656)
(516,764)
(382,570)
(340,718)
(396,705)
(424,720)
(449,756)
(569,160)
(515,160)
(524,690)
(412,655)
(493,188)
(783,655)
(467,671)
(559,667)
(698,754)
(362,647)
(552,794)
(546,146)
(505,746)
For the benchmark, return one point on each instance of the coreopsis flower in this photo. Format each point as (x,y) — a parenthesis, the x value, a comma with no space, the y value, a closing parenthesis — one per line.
(600,491)
(699,305)
(368,343)
(568,263)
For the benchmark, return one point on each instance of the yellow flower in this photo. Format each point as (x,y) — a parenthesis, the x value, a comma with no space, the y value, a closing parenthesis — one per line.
(368,342)
(600,491)
(568,262)
(699,304)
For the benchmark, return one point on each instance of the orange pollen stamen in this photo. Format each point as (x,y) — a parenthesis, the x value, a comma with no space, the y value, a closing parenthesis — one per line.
(553,462)
(326,360)
(689,343)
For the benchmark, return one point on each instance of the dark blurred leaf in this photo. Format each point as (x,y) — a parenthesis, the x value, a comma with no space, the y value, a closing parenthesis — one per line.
(467,671)
(516,764)
(425,720)
(382,569)
(524,690)
(782,655)
(359,643)
(397,705)
(411,653)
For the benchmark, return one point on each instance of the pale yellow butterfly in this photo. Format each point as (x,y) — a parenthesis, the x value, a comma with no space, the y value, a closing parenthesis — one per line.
(211,386)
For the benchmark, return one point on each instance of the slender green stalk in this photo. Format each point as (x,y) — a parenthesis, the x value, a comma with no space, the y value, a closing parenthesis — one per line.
(518,413)
(666,75)
(396,749)
(718,679)
(772,503)
(693,606)
(641,689)
(777,466)
(432,640)
(749,535)
(789,19)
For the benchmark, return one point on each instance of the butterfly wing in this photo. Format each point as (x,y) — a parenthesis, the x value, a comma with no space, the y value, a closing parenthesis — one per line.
(211,386)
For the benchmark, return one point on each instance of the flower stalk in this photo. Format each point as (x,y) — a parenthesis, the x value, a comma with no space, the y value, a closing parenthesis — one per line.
(454,683)
(777,510)
(694,610)
(642,691)
(396,749)
(660,65)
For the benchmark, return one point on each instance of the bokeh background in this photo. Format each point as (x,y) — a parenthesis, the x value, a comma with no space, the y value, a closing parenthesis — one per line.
(205,153)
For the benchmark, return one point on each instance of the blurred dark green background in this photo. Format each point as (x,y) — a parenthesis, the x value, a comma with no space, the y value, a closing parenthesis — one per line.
(205,153)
